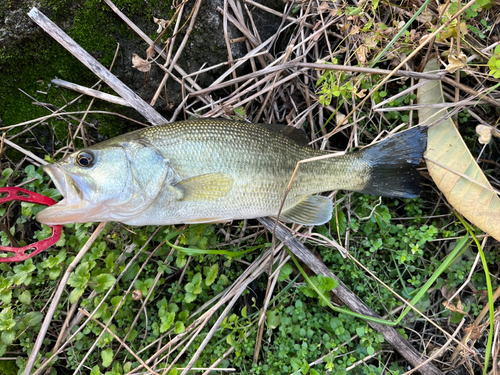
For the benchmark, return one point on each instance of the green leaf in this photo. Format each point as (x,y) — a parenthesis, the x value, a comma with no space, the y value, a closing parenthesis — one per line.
(189,297)
(179,327)
(80,277)
(33,318)
(75,294)
(8,336)
(370,350)
(5,290)
(456,317)
(360,331)
(342,222)
(110,260)
(6,320)
(127,367)
(107,357)
(244,312)
(23,271)
(211,274)
(54,273)
(181,259)
(132,336)
(25,297)
(285,271)
(95,370)
(194,287)
(295,363)
(166,321)
(273,319)
(104,282)
(7,172)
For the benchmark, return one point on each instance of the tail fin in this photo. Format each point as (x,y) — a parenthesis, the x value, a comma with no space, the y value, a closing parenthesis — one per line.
(393,164)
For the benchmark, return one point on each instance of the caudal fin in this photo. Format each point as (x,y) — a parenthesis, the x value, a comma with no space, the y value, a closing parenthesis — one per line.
(393,164)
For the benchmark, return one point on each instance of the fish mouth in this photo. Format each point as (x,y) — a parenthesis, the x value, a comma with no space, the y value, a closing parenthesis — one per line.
(70,191)
(71,208)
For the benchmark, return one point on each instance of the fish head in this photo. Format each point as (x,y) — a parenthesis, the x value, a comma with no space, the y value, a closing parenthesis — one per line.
(90,181)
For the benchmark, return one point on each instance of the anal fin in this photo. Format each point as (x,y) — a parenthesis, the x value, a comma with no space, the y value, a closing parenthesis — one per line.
(313,210)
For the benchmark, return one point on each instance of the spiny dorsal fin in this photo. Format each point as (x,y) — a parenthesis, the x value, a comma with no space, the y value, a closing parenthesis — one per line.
(297,135)
(208,186)
(313,210)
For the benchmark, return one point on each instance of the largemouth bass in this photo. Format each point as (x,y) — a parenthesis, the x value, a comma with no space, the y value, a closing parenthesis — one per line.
(203,170)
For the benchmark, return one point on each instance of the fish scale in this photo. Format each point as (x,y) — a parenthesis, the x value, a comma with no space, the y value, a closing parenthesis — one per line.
(209,170)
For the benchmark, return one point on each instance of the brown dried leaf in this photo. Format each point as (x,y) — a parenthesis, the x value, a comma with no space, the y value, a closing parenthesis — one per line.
(361,93)
(150,51)
(448,154)
(355,30)
(447,292)
(140,64)
(459,308)
(323,7)
(161,24)
(473,331)
(361,53)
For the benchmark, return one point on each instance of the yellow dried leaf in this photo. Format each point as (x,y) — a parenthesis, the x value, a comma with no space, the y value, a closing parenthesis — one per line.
(140,64)
(371,41)
(448,159)
(484,134)
(456,62)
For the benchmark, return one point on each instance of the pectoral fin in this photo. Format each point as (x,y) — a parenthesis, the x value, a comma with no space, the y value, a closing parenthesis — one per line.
(208,186)
(313,210)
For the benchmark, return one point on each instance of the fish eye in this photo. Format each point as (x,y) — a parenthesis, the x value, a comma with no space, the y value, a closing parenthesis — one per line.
(84,159)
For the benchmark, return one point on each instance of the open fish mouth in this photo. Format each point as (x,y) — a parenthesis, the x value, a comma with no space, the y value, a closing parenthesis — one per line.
(71,209)
(70,191)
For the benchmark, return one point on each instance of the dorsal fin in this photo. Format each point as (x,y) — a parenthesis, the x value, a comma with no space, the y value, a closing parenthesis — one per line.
(297,135)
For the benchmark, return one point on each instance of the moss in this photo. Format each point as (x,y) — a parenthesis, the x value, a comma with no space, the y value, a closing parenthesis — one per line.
(32,63)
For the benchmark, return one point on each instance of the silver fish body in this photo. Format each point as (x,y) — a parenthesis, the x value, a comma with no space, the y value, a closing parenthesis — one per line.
(217,170)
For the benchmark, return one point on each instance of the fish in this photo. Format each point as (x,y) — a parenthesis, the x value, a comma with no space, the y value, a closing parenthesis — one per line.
(213,170)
